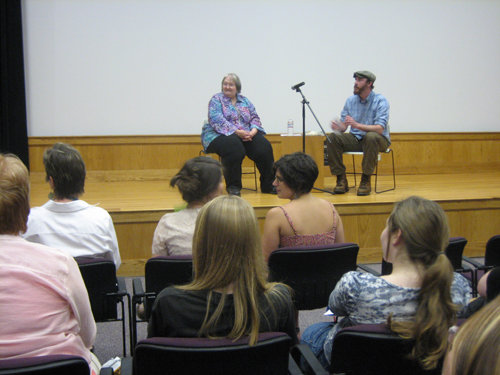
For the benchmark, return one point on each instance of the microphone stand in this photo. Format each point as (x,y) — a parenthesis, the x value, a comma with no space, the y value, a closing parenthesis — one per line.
(304,103)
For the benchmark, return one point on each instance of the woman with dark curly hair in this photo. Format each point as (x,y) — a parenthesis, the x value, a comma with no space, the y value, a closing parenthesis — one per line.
(306,219)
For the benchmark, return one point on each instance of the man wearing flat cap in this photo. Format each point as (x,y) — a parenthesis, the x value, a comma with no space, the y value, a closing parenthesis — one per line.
(367,113)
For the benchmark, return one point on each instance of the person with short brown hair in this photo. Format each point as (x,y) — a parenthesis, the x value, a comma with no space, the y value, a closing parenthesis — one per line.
(367,115)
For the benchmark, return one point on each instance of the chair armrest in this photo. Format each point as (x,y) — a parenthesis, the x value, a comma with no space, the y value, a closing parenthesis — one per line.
(137,289)
(302,354)
(476,264)
(122,286)
(106,371)
(368,269)
(126,368)
(293,367)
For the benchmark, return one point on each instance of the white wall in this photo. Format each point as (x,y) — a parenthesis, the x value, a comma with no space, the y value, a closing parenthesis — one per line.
(119,67)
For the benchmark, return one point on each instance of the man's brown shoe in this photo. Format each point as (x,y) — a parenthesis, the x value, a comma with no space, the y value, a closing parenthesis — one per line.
(365,186)
(342,186)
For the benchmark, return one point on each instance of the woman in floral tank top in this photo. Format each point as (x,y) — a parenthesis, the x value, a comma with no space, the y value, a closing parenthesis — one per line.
(306,220)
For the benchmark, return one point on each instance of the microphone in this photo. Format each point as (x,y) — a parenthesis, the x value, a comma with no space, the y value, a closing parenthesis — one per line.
(298,85)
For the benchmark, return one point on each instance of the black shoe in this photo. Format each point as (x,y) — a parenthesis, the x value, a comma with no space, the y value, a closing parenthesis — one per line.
(233,190)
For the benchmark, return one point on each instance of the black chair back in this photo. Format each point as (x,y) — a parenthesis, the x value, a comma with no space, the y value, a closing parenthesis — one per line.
(454,252)
(45,365)
(100,279)
(166,355)
(492,254)
(386,268)
(105,290)
(160,272)
(312,272)
(164,271)
(374,349)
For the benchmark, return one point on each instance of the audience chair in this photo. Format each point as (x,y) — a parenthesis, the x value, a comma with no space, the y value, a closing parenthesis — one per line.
(388,151)
(253,171)
(105,291)
(454,252)
(374,349)
(160,272)
(47,365)
(386,268)
(312,272)
(491,258)
(168,355)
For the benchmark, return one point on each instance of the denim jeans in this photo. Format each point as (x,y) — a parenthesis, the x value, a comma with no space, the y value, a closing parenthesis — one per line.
(314,336)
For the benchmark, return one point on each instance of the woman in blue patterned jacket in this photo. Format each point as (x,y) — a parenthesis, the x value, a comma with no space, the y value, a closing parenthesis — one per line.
(419,299)
(233,131)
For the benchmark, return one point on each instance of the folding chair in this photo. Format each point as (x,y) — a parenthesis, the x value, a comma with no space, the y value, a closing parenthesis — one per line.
(160,272)
(252,171)
(491,258)
(374,349)
(169,355)
(312,272)
(388,151)
(45,365)
(105,291)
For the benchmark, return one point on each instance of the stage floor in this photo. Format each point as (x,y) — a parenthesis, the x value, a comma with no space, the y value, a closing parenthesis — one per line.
(137,199)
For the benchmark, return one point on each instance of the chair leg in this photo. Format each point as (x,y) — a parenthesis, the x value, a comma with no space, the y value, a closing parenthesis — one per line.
(393,175)
(354,170)
(254,177)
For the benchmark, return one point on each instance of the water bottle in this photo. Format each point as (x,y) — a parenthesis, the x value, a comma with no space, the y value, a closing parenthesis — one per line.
(290,127)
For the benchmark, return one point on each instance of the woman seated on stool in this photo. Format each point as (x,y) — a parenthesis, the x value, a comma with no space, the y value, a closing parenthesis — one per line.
(229,295)
(419,299)
(233,131)
(199,180)
(306,220)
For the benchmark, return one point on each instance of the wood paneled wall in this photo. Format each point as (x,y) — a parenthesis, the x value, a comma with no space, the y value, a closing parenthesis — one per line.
(415,153)
(129,158)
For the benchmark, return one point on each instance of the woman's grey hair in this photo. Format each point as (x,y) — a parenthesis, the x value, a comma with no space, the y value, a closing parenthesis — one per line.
(236,80)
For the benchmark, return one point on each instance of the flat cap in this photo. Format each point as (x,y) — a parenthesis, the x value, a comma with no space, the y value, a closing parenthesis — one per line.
(365,74)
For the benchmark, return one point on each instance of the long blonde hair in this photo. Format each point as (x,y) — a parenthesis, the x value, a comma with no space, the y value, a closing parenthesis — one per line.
(476,347)
(227,254)
(424,229)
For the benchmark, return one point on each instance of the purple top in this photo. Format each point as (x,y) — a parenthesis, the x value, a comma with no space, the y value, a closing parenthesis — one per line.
(224,118)
(326,238)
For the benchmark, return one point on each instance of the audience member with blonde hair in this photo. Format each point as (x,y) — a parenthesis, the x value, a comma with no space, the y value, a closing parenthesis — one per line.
(475,349)
(44,305)
(199,180)
(419,299)
(66,222)
(306,220)
(229,295)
